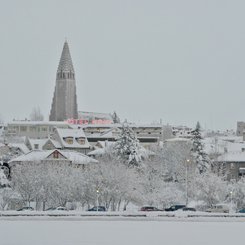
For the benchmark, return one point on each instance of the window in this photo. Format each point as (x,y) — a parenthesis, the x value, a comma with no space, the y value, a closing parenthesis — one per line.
(81,140)
(32,128)
(23,128)
(68,140)
(56,154)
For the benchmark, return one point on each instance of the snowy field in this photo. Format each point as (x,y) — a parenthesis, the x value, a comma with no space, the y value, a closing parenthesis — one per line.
(118,231)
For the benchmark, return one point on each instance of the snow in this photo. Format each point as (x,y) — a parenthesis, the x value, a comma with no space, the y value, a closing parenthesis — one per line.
(220,145)
(135,231)
(21,146)
(232,157)
(42,142)
(36,155)
(178,139)
(73,133)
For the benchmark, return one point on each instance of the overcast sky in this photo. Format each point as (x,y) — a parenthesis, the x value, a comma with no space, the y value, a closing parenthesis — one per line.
(179,61)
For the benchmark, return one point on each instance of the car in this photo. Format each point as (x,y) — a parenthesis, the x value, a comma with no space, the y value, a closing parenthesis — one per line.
(57,209)
(189,209)
(241,210)
(97,208)
(175,207)
(26,209)
(149,208)
(218,208)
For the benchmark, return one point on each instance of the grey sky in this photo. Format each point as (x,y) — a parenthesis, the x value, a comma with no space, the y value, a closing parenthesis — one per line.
(181,61)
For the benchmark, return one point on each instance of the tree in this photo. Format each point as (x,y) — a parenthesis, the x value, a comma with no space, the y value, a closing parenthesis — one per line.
(36,114)
(208,187)
(127,146)
(115,117)
(237,193)
(200,158)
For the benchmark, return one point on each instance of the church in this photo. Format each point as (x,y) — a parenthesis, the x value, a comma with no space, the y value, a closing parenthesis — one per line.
(64,104)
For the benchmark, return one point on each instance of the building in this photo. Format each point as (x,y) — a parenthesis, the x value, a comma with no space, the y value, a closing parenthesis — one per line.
(34,130)
(72,139)
(51,156)
(147,134)
(232,165)
(240,128)
(64,104)
(42,144)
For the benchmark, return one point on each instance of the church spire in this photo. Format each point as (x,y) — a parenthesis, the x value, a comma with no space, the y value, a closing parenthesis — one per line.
(64,104)
(65,64)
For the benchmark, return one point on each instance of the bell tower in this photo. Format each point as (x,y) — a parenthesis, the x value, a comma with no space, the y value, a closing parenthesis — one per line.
(64,104)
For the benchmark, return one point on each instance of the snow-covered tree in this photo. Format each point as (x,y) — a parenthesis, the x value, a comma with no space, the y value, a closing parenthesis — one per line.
(237,193)
(3,179)
(170,160)
(6,197)
(208,187)
(127,146)
(24,181)
(199,157)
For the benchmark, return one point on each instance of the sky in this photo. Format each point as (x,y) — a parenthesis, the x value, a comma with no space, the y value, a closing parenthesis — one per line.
(148,60)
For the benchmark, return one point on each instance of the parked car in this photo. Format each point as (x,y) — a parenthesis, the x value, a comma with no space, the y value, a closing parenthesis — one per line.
(218,208)
(241,210)
(175,207)
(189,209)
(26,209)
(149,208)
(97,208)
(57,209)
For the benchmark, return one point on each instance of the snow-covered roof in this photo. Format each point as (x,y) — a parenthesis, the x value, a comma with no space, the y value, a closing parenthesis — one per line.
(101,151)
(41,142)
(177,139)
(51,123)
(221,145)
(72,133)
(97,152)
(73,156)
(77,157)
(21,146)
(32,156)
(118,125)
(232,157)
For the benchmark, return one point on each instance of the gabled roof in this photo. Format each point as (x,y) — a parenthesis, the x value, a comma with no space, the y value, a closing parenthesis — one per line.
(73,133)
(42,142)
(72,156)
(20,146)
(65,64)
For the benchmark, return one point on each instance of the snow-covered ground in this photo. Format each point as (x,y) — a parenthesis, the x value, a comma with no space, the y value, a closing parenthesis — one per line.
(102,231)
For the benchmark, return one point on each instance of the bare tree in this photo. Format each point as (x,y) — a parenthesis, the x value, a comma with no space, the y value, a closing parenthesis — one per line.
(36,114)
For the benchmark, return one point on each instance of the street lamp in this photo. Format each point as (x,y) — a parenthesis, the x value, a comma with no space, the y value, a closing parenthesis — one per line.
(97,195)
(231,200)
(186,180)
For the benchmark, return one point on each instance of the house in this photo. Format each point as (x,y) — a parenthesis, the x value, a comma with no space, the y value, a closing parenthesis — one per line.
(49,156)
(42,144)
(72,139)
(232,165)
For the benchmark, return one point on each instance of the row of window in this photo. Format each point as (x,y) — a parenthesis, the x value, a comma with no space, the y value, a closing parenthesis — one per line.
(64,75)
(70,140)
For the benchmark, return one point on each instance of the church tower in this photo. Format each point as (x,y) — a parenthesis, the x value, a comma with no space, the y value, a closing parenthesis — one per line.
(64,104)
